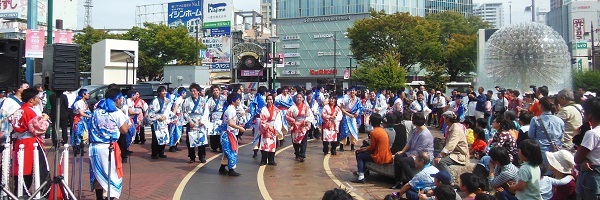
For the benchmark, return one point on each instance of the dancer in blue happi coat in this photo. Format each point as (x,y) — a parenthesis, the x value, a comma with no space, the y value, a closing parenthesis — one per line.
(176,127)
(229,129)
(81,119)
(255,107)
(283,102)
(351,108)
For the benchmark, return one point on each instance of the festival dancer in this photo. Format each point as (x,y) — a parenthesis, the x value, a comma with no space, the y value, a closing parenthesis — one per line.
(367,111)
(216,107)
(195,112)
(81,118)
(29,125)
(351,107)
(284,101)
(229,129)
(176,127)
(107,125)
(270,124)
(331,115)
(140,108)
(381,105)
(299,118)
(160,116)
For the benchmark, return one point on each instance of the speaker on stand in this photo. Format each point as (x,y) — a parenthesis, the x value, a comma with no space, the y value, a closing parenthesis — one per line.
(12,53)
(61,66)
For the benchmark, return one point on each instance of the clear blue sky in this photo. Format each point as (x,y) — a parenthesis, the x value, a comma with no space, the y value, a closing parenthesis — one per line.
(121,13)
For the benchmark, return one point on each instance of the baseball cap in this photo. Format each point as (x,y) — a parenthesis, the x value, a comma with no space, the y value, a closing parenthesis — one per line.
(443,176)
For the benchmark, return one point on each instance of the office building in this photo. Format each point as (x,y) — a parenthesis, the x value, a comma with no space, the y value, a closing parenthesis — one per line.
(493,13)
(464,7)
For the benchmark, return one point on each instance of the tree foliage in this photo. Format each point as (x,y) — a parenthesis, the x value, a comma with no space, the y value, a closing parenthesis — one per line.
(385,73)
(160,45)
(587,79)
(411,39)
(85,40)
(436,76)
(459,38)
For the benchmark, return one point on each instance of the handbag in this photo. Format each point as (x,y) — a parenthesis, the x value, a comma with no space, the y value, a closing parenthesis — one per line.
(555,147)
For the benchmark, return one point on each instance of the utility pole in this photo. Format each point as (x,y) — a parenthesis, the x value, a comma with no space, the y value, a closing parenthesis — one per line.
(197,50)
(32,23)
(532,10)
(509,12)
(593,44)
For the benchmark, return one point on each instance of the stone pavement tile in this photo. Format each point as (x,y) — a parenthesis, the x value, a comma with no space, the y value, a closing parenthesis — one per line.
(147,178)
(295,180)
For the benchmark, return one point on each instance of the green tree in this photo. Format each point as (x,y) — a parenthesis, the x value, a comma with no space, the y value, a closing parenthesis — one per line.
(385,73)
(160,45)
(436,77)
(411,39)
(459,38)
(85,40)
(587,79)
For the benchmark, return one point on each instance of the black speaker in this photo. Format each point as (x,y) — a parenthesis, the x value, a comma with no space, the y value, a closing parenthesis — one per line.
(61,66)
(12,53)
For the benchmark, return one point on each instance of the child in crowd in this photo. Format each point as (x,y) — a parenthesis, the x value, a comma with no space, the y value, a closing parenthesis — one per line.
(479,145)
(439,179)
(561,163)
(469,184)
(484,196)
(482,124)
(528,178)
(524,120)
(445,192)
(469,125)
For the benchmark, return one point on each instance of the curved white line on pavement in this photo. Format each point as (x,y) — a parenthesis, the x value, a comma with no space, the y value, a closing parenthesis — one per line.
(260,177)
(187,177)
(337,181)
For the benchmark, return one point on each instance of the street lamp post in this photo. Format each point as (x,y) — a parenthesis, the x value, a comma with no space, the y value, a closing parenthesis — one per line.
(273,50)
(334,61)
(350,56)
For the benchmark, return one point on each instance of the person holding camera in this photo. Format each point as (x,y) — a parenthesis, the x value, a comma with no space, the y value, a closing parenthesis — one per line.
(540,93)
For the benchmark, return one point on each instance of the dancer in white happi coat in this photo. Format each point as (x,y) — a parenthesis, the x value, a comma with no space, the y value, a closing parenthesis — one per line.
(270,125)
(215,108)
(331,115)
(195,112)
(351,107)
(160,116)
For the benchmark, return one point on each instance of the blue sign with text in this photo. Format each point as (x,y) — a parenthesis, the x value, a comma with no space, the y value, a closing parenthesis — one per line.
(217,31)
(185,13)
(221,67)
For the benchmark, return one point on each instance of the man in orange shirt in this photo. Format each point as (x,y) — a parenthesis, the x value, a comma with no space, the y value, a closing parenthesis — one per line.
(378,151)
(535,108)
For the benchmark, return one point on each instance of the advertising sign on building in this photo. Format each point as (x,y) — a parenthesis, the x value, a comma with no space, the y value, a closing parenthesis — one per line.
(17,9)
(323,71)
(252,72)
(217,17)
(218,53)
(290,37)
(63,36)
(34,43)
(292,55)
(185,13)
(290,72)
(578,28)
(291,46)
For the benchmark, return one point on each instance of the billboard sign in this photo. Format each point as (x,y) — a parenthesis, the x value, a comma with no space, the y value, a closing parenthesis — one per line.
(63,36)
(578,28)
(220,67)
(34,43)
(217,17)
(17,9)
(185,13)
(218,52)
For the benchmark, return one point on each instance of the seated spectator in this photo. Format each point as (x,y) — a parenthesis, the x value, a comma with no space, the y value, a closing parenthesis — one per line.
(469,184)
(400,129)
(422,180)
(439,179)
(501,172)
(470,135)
(484,196)
(378,150)
(407,122)
(445,192)
(483,124)
(478,148)
(563,184)
(524,120)
(337,194)
(388,125)
(456,151)
(404,161)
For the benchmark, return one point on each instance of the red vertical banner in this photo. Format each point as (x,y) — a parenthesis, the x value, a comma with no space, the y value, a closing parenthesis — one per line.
(63,36)
(34,43)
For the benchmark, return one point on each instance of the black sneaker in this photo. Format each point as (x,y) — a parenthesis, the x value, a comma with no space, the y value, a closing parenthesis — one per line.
(359,181)
(202,160)
(233,173)
(273,163)
(222,170)
(162,156)
(192,161)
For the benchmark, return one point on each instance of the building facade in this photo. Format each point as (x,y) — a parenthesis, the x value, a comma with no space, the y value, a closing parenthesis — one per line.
(574,22)
(464,7)
(493,13)
(13,16)
(312,37)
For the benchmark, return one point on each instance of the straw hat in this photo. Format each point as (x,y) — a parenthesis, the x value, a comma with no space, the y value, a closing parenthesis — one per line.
(563,161)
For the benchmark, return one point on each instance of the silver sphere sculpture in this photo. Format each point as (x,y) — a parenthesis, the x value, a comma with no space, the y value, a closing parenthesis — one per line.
(525,54)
